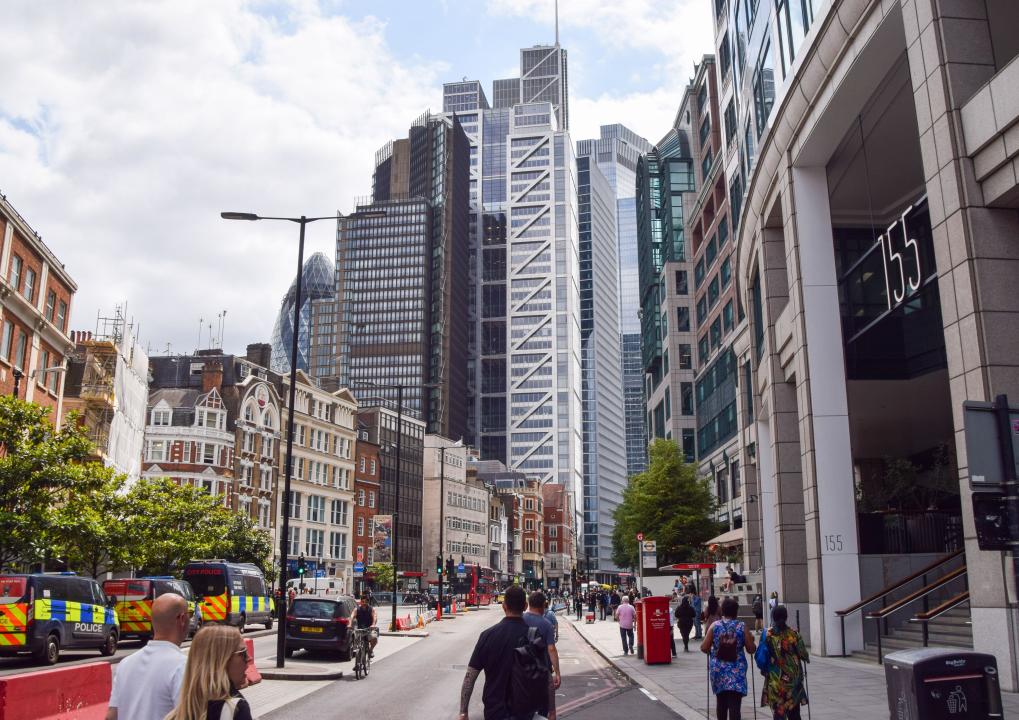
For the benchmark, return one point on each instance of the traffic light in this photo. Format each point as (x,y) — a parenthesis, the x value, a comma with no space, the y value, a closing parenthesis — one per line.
(450,570)
(302,566)
(438,564)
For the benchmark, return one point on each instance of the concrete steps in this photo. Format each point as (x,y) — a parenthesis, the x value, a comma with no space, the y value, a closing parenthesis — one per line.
(953,629)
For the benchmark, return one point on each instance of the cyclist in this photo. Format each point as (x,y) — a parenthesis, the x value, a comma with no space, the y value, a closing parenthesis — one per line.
(366,619)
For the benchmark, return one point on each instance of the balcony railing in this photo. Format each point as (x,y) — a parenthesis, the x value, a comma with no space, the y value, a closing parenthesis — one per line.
(897,533)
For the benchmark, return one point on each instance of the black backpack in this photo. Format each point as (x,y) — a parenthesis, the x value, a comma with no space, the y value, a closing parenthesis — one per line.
(728,645)
(529,676)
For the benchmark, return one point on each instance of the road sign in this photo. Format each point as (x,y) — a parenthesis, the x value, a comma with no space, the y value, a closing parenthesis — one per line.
(649,553)
(320,573)
(360,556)
(359,567)
(640,537)
(460,568)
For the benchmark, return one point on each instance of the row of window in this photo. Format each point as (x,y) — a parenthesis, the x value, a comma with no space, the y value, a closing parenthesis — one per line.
(316,509)
(314,544)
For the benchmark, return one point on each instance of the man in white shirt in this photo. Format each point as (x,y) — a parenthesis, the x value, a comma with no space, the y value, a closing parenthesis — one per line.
(146,685)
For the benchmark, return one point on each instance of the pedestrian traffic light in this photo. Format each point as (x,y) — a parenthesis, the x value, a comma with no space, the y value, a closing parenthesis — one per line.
(302,566)
(438,564)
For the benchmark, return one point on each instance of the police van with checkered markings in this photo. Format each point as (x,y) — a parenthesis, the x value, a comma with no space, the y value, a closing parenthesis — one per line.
(231,593)
(43,614)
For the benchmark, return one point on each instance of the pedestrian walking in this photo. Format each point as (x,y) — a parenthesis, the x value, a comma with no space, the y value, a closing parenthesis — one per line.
(695,602)
(495,654)
(214,677)
(147,684)
(626,614)
(603,603)
(758,608)
(712,612)
(578,605)
(684,621)
(724,644)
(784,690)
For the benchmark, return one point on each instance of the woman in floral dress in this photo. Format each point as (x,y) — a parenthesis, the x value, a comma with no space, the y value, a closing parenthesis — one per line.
(783,686)
(728,677)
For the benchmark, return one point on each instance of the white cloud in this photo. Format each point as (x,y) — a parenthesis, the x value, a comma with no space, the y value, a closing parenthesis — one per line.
(125,128)
(677,33)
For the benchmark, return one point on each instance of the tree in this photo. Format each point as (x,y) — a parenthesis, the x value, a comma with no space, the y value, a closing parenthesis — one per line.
(41,468)
(383,574)
(170,524)
(670,504)
(89,529)
(243,541)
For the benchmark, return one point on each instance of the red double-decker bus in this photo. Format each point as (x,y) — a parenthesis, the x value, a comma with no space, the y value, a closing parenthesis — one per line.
(477,586)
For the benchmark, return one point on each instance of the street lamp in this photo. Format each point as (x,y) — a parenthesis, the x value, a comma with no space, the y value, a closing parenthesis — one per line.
(396,503)
(281,637)
(442,520)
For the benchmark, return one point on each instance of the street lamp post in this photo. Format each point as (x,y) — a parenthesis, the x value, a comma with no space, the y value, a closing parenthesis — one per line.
(281,635)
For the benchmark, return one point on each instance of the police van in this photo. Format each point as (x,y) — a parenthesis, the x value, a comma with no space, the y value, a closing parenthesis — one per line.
(45,613)
(133,598)
(231,593)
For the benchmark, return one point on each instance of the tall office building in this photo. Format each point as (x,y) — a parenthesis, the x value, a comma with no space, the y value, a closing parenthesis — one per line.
(402,277)
(524,338)
(616,151)
(603,425)
(316,337)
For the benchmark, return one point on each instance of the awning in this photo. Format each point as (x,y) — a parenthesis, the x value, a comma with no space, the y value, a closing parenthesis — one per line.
(727,539)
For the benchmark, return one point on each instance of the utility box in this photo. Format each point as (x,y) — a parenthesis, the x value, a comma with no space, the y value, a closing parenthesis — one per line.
(942,684)
(657,630)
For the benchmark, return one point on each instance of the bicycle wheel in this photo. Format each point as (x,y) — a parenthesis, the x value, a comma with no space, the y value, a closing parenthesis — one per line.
(367,659)
(358,664)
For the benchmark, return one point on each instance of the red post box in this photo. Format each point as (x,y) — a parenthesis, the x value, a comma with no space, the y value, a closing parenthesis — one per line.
(639,622)
(657,630)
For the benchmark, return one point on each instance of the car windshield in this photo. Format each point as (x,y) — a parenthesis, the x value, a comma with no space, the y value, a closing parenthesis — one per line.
(12,589)
(207,581)
(314,609)
(126,589)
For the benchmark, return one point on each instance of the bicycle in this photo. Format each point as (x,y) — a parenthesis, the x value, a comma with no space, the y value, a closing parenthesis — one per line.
(362,652)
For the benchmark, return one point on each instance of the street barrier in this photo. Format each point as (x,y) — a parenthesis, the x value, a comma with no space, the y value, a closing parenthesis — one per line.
(74,693)
(251,672)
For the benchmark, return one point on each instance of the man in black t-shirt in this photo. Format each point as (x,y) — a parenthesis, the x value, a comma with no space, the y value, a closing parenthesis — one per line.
(365,618)
(493,654)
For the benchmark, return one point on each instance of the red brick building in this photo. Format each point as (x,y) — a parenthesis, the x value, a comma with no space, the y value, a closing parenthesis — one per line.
(366,498)
(559,542)
(35,301)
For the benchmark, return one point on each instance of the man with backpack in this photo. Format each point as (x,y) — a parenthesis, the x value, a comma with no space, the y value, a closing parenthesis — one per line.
(518,681)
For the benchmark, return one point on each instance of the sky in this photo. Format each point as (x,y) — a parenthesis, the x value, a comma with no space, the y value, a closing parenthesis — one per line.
(127,127)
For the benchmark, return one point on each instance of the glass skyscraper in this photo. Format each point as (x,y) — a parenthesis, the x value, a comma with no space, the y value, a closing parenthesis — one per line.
(316,331)
(616,152)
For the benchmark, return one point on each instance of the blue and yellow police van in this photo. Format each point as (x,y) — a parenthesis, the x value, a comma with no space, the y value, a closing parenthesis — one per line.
(231,593)
(43,614)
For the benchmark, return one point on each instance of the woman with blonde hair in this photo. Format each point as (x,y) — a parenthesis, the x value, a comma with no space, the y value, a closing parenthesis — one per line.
(213,675)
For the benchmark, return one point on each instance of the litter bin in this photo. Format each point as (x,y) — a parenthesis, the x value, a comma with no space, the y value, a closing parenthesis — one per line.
(942,684)
(657,630)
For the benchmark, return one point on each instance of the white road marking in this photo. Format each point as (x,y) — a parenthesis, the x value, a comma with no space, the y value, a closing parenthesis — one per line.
(652,697)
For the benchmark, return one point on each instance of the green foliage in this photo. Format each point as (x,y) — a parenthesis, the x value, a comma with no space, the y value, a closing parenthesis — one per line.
(670,504)
(383,574)
(89,530)
(243,541)
(41,469)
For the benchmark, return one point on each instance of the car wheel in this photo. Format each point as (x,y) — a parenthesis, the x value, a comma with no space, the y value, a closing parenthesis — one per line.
(268,622)
(345,654)
(110,646)
(242,622)
(49,653)
(289,652)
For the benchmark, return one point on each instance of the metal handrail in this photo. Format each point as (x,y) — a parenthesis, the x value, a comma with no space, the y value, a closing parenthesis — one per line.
(888,590)
(920,594)
(926,617)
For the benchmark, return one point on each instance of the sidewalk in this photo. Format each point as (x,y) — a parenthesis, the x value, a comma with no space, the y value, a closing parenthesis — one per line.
(840,689)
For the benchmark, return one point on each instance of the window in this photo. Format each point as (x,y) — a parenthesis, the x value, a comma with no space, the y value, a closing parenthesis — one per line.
(682,319)
(758,314)
(157,450)
(29,289)
(62,316)
(360,498)
(19,350)
(313,542)
(723,232)
(14,277)
(716,333)
(702,309)
(44,362)
(316,508)
(728,321)
(794,18)
(685,357)
(360,526)
(689,445)
(668,403)
(161,417)
(764,88)
(702,350)
(705,130)
(730,123)
(340,514)
(698,273)
(725,274)
(371,498)
(362,463)
(337,545)
(8,338)
(686,396)
(710,252)
(246,475)
(706,163)
(295,505)
(209,453)
(681,283)
(713,292)
(372,467)
(295,541)
(736,198)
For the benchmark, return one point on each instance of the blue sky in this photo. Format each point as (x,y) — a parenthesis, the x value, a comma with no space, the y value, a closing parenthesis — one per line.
(123,141)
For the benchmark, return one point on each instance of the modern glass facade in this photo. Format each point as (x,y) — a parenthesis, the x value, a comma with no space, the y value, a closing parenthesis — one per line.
(605,471)
(316,334)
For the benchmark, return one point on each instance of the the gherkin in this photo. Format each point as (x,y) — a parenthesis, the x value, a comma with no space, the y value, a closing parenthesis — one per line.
(316,331)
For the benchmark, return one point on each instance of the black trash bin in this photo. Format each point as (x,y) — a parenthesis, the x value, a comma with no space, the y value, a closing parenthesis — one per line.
(942,684)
